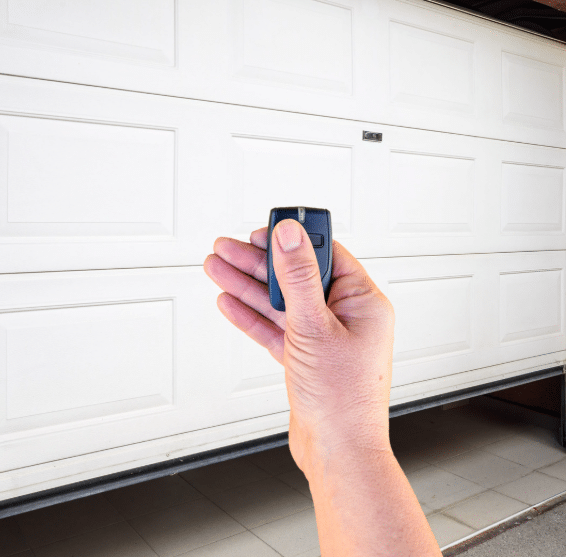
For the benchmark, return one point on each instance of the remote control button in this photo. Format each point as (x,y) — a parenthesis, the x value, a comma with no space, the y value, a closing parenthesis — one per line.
(317,240)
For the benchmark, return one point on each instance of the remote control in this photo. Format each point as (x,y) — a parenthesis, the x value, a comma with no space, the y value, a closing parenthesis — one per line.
(318,225)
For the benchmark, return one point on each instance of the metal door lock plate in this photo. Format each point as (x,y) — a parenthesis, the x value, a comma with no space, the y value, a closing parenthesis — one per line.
(372,136)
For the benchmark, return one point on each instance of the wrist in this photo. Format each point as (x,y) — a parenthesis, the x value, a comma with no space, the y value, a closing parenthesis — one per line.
(347,458)
(365,505)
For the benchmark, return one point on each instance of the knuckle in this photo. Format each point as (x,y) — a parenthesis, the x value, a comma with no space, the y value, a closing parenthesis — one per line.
(381,305)
(385,309)
(302,272)
(246,296)
(385,304)
(259,265)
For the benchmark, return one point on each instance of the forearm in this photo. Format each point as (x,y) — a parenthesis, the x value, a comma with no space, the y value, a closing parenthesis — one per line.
(365,507)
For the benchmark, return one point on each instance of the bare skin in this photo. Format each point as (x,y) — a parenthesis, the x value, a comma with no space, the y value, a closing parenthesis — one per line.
(338,365)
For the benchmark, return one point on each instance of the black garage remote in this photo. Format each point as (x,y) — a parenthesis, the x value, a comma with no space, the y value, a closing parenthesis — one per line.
(318,225)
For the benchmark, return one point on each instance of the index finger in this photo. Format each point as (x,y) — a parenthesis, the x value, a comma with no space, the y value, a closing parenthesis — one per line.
(259,238)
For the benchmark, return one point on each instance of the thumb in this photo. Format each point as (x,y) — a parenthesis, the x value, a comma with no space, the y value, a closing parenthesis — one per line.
(298,275)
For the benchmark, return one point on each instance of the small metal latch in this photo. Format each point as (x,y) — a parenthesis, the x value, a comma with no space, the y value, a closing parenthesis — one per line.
(372,136)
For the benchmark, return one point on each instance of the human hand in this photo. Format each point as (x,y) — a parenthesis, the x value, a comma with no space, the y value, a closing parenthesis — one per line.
(337,357)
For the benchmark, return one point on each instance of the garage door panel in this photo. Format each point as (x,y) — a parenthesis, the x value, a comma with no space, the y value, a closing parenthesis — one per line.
(475,378)
(447,194)
(77,179)
(431,193)
(142,358)
(451,71)
(307,56)
(90,179)
(303,56)
(438,70)
(91,360)
(432,70)
(97,179)
(457,313)
(533,92)
(133,371)
(531,304)
(443,304)
(533,197)
(115,161)
(407,63)
(415,193)
(267,159)
(314,49)
(291,170)
(157,126)
(137,35)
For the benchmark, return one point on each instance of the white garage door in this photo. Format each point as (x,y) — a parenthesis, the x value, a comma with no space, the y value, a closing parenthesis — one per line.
(133,133)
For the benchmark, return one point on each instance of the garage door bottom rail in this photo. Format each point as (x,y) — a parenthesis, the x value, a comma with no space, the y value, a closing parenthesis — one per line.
(46,498)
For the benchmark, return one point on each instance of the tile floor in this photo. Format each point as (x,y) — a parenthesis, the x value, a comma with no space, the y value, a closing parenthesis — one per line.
(470,467)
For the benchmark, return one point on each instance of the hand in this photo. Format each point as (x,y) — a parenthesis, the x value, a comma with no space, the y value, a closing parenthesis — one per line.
(337,357)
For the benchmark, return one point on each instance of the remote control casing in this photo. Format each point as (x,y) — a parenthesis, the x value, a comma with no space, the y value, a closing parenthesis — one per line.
(318,224)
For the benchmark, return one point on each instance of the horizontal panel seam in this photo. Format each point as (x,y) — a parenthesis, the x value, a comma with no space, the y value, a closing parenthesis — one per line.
(278,110)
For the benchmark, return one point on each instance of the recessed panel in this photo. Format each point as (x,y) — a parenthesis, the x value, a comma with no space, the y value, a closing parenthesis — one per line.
(532,92)
(532,199)
(432,317)
(297,43)
(138,30)
(530,304)
(73,362)
(431,69)
(274,173)
(255,370)
(431,194)
(70,178)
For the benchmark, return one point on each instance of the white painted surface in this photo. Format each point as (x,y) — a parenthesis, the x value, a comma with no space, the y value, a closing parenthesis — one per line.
(50,475)
(100,359)
(128,30)
(96,179)
(72,178)
(465,312)
(108,361)
(97,359)
(399,62)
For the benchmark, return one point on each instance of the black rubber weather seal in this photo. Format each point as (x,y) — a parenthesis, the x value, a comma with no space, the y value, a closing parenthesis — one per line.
(46,498)
(470,392)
